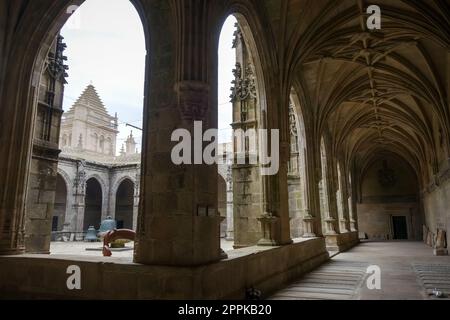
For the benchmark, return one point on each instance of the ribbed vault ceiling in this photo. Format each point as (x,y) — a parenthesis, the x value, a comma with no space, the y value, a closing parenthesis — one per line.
(374,91)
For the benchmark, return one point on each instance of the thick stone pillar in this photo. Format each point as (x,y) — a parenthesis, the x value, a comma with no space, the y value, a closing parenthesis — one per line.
(313,214)
(353,226)
(279,195)
(178,223)
(275,191)
(342,209)
(342,196)
(309,219)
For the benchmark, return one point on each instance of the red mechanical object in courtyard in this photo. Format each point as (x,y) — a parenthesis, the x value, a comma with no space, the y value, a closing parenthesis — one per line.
(114,235)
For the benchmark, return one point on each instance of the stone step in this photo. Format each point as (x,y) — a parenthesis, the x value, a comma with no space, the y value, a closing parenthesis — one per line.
(320,290)
(312,296)
(323,285)
(331,282)
(332,276)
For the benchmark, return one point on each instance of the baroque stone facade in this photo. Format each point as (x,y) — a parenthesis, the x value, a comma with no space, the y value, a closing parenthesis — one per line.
(96,182)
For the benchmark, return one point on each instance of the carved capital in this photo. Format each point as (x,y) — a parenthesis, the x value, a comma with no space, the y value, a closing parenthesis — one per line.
(268,225)
(193,100)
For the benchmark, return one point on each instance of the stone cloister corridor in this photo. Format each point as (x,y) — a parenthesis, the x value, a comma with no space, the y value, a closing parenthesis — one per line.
(408,272)
(339,155)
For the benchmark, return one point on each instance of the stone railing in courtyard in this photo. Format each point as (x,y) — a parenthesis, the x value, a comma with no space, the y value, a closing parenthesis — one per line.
(266,269)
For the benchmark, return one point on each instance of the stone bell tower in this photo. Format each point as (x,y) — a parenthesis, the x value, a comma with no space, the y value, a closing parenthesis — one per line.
(130,145)
(88,127)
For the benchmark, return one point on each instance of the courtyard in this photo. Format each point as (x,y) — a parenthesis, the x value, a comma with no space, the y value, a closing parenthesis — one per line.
(78,248)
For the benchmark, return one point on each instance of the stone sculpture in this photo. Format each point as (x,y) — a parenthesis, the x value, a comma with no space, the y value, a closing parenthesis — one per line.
(440,245)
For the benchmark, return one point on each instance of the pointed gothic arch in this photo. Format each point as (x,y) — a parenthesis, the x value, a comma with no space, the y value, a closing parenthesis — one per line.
(125,204)
(297,168)
(249,105)
(93,204)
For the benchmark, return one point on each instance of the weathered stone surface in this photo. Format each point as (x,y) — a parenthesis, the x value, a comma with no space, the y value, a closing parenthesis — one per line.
(267,269)
(341,242)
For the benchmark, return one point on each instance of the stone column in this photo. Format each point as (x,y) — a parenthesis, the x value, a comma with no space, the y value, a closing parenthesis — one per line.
(136,198)
(276,204)
(308,219)
(178,223)
(342,212)
(342,194)
(230,214)
(112,196)
(79,189)
(329,220)
(314,191)
(106,198)
(353,227)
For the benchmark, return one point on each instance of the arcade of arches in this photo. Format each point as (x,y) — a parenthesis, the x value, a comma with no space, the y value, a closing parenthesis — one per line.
(364,144)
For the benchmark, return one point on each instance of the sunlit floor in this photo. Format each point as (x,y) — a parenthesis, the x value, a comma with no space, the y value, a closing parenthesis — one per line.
(408,271)
(79,248)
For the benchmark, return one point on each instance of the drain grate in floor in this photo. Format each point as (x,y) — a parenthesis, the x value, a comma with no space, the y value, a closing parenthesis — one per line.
(434,276)
(336,280)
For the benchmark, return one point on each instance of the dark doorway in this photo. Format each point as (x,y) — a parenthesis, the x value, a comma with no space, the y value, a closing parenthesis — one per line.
(93,209)
(59,212)
(124,205)
(400,228)
(55,223)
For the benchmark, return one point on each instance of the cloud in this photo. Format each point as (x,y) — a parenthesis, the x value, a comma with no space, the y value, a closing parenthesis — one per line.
(106,46)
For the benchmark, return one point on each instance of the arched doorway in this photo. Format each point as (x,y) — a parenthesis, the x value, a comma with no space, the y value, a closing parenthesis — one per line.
(125,205)
(388,207)
(43,77)
(246,115)
(59,212)
(93,204)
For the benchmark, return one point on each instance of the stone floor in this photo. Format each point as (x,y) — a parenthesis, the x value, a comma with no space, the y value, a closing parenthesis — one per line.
(409,271)
(79,248)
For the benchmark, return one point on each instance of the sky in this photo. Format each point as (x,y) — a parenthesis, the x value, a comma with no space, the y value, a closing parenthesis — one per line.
(106,47)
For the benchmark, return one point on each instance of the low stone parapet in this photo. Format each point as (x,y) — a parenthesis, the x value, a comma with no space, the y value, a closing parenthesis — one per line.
(342,242)
(264,268)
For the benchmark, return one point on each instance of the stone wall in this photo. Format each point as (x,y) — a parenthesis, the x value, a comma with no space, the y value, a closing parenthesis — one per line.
(109,176)
(436,207)
(40,204)
(389,189)
(375,219)
(42,172)
(266,269)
